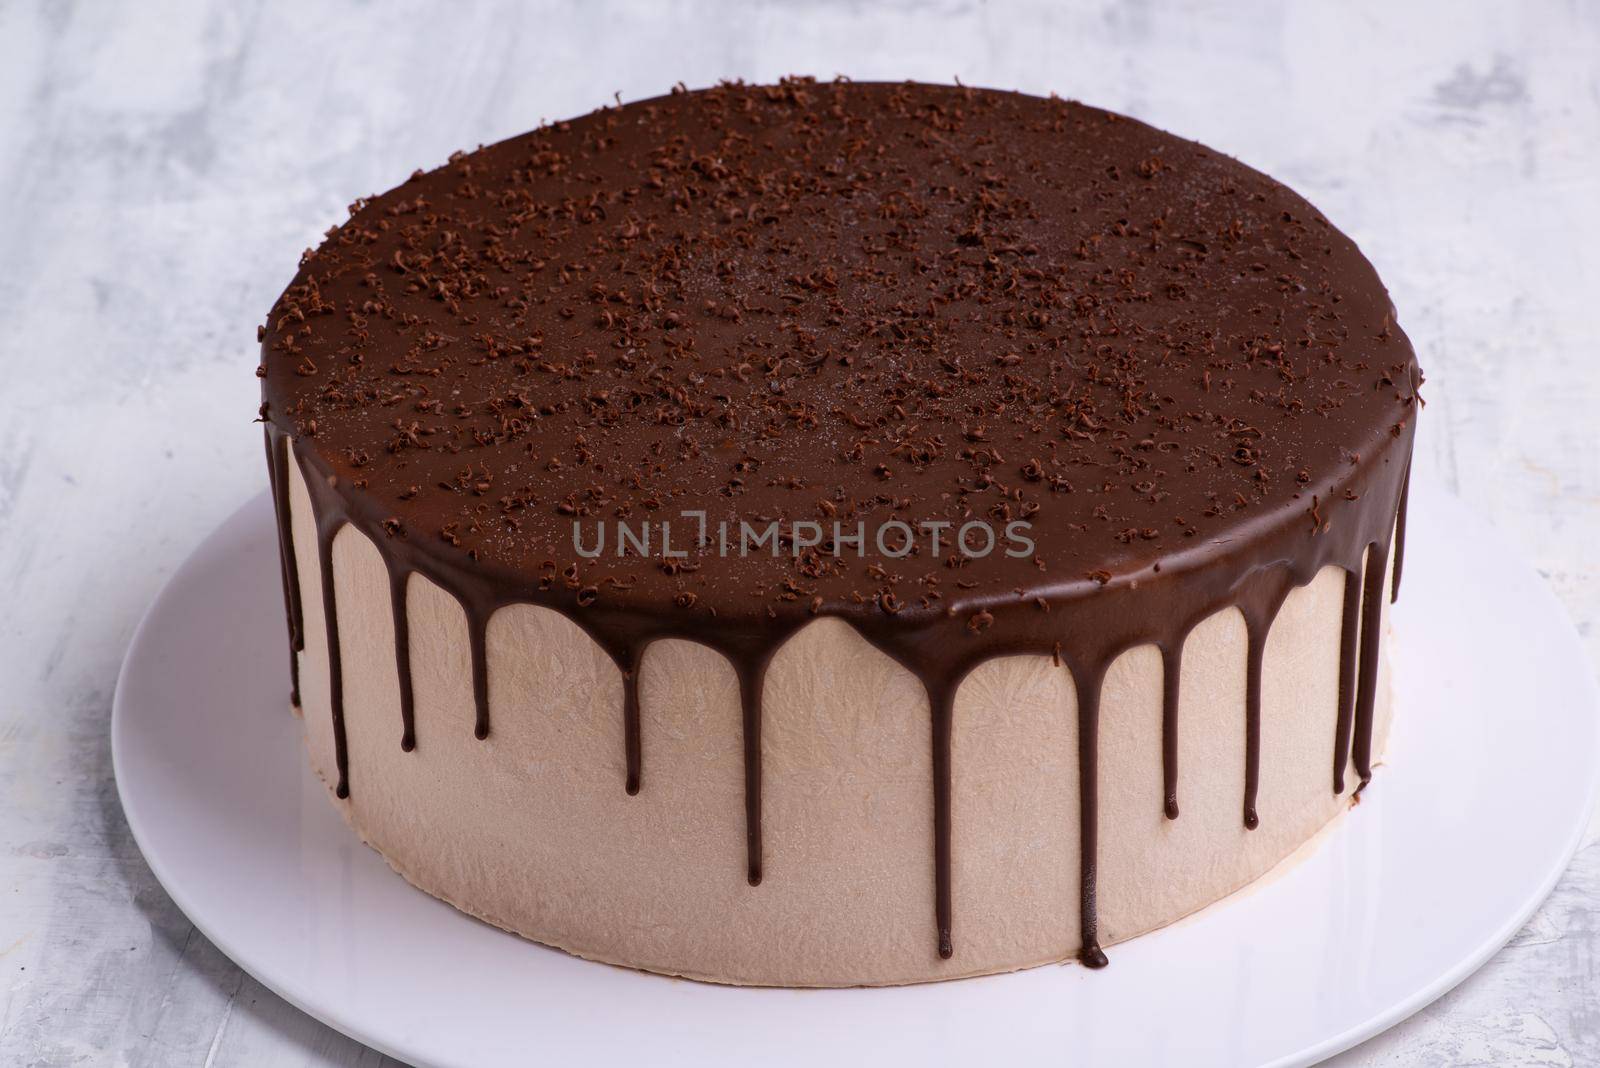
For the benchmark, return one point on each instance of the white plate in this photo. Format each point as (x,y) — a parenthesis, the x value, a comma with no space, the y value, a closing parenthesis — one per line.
(1491,771)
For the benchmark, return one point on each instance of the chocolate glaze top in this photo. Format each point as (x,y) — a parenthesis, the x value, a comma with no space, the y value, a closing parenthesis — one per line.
(839,302)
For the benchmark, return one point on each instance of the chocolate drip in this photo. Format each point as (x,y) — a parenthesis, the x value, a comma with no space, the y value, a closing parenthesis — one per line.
(1252,724)
(941,705)
(632,743)
(278,479)
(921,652)
(1089,686)
(1171,675)
(924,651)
(1259,610)
(1371,636)
(328,522)
(1349,631)
(1400,534)
(752,676)
(478,646)
(976,355)
(398,579)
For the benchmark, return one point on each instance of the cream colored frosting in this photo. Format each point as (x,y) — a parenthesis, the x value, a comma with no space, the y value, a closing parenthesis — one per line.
(531,829)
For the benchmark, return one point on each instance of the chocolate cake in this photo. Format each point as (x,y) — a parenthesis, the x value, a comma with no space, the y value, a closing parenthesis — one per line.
(836,533)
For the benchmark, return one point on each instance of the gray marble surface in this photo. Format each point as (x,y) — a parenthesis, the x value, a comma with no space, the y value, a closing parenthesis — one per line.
(162,167)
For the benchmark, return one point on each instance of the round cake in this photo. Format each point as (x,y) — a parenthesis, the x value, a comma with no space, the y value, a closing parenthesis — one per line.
(827,534)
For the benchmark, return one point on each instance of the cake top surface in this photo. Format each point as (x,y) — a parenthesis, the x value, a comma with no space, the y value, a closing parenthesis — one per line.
(839,303)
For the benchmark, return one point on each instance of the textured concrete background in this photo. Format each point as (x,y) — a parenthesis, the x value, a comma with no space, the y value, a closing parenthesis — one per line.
(162,167)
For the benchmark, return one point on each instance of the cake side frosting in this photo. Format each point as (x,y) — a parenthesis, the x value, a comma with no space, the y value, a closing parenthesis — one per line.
(855,304)
(530,830)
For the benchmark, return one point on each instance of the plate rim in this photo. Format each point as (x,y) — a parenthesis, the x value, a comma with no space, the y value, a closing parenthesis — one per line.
(1430,497)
